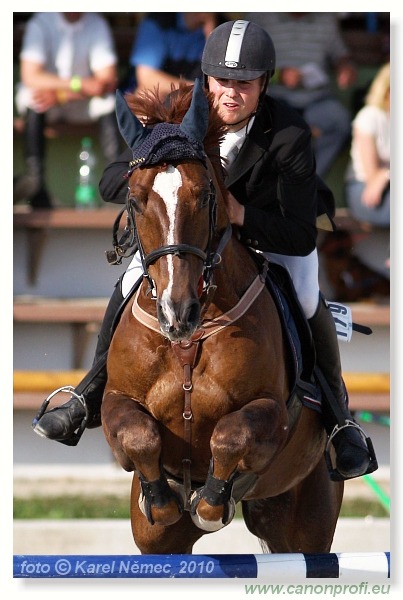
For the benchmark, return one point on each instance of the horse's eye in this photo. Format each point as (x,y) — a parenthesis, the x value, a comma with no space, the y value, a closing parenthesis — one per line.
(135,202)
(204,198)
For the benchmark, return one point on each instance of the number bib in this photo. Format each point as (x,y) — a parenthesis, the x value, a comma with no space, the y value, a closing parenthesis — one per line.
(342,319)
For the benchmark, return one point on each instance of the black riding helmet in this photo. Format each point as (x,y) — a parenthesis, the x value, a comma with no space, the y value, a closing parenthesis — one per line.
(239,50)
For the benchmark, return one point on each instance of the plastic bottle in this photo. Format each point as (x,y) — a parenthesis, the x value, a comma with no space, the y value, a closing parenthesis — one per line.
(86,192)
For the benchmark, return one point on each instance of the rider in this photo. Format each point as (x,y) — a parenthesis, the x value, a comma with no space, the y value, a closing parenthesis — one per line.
(277,202)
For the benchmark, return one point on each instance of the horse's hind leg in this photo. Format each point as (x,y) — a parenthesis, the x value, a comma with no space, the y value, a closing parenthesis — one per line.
(302,519)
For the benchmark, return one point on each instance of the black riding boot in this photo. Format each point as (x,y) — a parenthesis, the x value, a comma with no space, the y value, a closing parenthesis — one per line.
(84,407)
(353,456)
(31,186)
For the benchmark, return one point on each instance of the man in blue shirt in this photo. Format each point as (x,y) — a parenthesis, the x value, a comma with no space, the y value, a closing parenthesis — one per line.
(168,47)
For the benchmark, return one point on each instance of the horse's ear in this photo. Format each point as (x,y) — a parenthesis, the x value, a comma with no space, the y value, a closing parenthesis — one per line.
(130,127)
(195,122)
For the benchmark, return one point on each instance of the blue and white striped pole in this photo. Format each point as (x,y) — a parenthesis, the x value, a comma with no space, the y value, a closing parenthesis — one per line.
(289,567)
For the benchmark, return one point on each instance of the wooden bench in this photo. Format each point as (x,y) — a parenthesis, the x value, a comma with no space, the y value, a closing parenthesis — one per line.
(59,310)
(83,310)
(102,218)
(84,315)
(38,222)
(367,391)
(64,218)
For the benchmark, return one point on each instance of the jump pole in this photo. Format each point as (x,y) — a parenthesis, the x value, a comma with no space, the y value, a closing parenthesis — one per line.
(357,566)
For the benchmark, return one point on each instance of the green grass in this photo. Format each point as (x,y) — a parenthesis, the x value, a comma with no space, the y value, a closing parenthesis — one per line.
(72,507)
(113,507)
(363,508)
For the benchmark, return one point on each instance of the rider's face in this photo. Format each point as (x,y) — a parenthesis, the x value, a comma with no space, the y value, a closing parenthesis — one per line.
(236,100)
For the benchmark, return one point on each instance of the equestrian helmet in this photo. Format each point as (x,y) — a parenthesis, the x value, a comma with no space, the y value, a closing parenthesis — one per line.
(239,50)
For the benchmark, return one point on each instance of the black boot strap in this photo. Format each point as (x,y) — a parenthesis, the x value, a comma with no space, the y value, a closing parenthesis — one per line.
(339,413)
(215,492)
(157,493)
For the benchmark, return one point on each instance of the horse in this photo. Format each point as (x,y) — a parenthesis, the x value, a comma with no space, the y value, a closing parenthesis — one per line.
(197,401)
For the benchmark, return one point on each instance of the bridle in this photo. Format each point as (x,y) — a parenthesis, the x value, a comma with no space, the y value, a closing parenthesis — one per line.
(210,257)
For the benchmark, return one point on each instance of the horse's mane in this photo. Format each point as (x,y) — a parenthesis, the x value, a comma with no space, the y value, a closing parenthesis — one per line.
(151,109)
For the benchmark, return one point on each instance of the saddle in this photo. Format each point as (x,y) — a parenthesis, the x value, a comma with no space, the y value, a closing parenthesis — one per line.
(306,385)
(295,325)
(297,334)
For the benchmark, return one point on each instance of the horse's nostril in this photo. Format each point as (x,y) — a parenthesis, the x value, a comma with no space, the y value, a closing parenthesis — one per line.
(178,320)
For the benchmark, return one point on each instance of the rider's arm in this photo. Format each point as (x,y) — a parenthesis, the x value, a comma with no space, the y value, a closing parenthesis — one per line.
(282,215)
(113,185)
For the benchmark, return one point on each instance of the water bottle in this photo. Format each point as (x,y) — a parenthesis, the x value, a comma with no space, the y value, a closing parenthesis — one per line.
(86,192)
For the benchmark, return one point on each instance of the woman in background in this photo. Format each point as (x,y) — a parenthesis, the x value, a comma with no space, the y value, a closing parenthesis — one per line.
(368,175)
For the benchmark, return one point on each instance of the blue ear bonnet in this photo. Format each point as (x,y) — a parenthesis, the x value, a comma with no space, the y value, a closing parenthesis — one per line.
(165,141)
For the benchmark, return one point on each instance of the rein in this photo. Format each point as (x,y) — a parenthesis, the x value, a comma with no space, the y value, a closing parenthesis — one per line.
(126,246)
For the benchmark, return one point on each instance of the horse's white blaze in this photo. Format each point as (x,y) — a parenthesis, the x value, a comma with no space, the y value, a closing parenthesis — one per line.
(167,185)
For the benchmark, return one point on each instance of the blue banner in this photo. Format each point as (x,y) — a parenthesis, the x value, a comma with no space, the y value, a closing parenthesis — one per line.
(136,566)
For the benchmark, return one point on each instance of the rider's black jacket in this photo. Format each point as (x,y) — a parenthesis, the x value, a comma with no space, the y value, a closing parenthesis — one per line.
(273,176)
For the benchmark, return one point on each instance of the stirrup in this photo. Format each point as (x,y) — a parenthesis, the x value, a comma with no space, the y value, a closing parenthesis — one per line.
(68,389)
(334,473)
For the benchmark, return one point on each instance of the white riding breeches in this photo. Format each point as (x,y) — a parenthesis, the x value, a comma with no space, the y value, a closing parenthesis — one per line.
(302,269)
(132,274)
(304,272)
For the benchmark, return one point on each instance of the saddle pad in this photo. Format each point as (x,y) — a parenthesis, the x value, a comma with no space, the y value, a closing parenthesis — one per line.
(298,338)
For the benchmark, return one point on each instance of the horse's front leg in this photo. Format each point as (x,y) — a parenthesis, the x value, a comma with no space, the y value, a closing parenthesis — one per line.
(244,441)
(133,435)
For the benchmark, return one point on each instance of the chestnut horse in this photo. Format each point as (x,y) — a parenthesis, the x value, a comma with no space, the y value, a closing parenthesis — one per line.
(197,402)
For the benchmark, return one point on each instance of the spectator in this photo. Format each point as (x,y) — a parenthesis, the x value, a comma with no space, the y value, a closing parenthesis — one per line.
(68,73)
(168,48)
(367,177)
(309,49)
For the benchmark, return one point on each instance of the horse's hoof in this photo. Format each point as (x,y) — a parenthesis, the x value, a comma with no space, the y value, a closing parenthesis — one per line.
(212,526)
(163,514)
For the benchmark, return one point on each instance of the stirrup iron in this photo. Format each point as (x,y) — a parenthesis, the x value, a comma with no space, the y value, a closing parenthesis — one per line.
(68,389)
(335,475)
